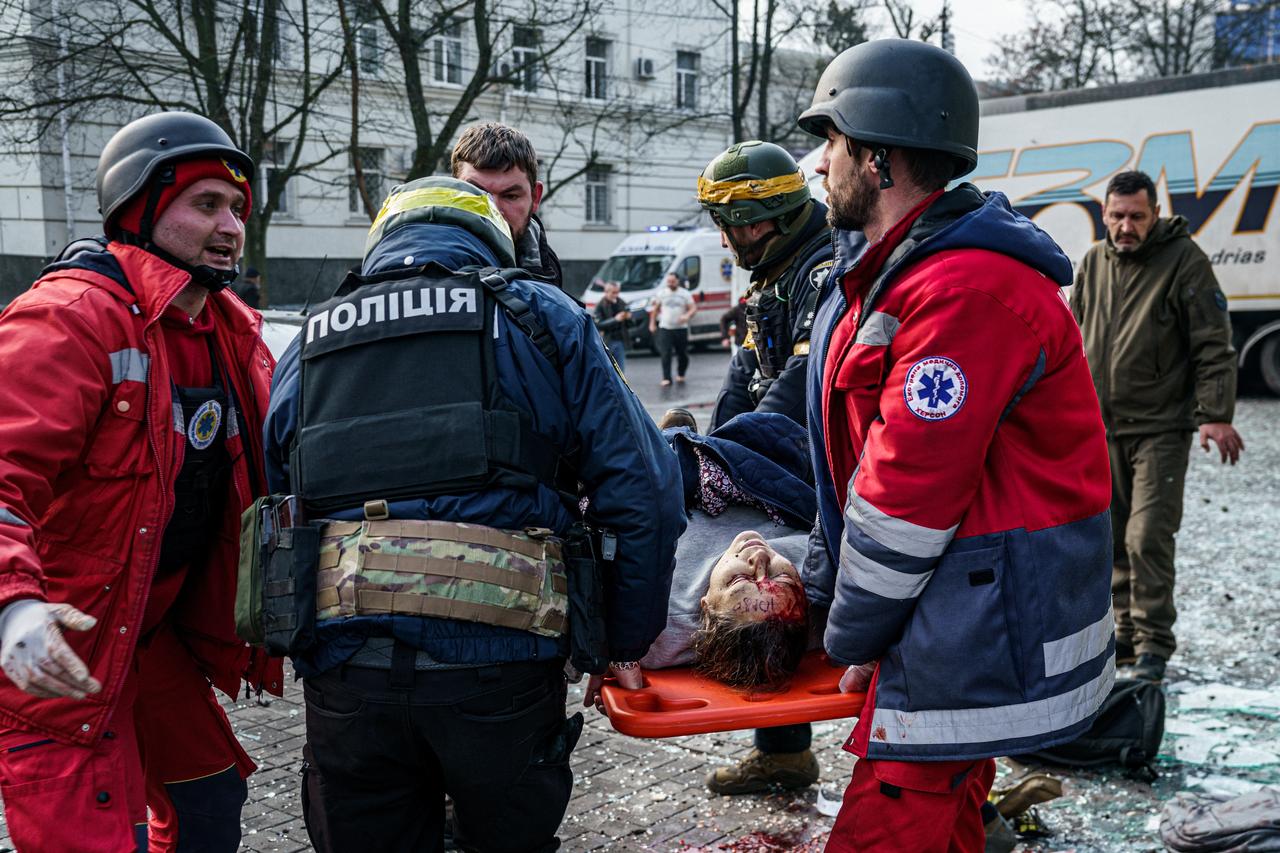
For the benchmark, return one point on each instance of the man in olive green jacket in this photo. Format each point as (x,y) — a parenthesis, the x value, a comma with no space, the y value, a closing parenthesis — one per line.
(1158,340)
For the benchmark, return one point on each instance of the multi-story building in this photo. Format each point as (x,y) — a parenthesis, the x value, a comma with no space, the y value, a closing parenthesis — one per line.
(625,101)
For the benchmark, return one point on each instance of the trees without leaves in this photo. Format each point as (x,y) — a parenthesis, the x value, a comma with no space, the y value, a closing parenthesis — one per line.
(256,67)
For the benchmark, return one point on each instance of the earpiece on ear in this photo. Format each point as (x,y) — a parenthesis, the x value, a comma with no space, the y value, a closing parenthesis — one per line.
(881,162)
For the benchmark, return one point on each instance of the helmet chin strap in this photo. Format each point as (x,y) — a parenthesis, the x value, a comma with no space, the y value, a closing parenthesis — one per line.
(210,278)
(741,250)
(774,245)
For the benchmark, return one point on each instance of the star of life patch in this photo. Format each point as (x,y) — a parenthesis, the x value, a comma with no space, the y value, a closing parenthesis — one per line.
(203,428)
(935,388)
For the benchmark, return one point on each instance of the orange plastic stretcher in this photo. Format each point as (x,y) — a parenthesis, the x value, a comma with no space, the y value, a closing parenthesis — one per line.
(678,702)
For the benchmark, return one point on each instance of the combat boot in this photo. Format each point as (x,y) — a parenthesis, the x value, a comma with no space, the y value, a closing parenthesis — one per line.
(760,771)
(1029,792)
(1000,837)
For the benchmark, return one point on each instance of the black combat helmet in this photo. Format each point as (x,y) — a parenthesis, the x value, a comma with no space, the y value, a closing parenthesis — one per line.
(897,92)
(138,150)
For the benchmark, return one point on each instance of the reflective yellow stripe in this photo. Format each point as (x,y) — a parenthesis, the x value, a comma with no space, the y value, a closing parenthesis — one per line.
(478,204)
(723,192)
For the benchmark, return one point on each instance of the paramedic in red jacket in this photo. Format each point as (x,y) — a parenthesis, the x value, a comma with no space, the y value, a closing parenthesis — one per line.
(964,542)
(131,406)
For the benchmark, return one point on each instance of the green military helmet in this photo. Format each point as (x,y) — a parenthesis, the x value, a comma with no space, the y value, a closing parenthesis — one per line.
(448,201)
(751,182)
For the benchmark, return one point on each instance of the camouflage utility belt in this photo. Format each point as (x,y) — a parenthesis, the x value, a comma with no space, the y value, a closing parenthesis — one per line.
(437,568)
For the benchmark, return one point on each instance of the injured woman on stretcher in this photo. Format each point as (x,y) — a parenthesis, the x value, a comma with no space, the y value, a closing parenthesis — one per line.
(739,611)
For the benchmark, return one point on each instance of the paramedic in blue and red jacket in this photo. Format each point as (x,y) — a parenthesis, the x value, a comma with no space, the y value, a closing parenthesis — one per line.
(963,542)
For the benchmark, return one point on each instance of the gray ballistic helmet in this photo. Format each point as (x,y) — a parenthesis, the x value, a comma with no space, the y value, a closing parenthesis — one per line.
(898,92)
(138,150)
(448,201)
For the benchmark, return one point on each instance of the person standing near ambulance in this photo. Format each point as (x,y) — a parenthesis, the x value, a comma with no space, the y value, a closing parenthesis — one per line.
(963,543)
(130,413)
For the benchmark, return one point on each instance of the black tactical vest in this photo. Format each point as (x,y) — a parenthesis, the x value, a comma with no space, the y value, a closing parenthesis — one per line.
(199,492)
(772,307)
(399,393)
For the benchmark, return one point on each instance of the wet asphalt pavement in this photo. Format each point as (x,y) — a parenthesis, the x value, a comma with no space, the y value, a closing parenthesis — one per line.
(697,393)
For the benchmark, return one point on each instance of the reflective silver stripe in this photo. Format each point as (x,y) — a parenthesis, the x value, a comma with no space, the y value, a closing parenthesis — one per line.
(983,725)
(128,365)
(233,423)
(9,518)
(179,422)
(878,330)
(882,580)
(1084,645)
(894,533)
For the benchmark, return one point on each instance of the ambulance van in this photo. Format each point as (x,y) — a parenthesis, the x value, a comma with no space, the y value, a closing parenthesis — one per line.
(641,263)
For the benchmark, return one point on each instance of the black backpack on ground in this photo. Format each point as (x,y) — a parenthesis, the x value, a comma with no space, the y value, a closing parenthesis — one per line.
(1127,731)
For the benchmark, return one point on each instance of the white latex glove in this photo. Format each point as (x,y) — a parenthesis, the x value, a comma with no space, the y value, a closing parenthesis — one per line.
(857,679)
(36,657)
(628,675)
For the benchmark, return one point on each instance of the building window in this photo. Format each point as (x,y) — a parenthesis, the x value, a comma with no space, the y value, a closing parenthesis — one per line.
(599,196)
(372,164)
(686,80)
(446,54)
(368,50)
(524,58)
(280,46)
(275,156)
(597,71)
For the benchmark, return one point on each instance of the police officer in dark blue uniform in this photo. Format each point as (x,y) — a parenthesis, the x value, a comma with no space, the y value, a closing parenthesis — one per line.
(443,421)
(758,198)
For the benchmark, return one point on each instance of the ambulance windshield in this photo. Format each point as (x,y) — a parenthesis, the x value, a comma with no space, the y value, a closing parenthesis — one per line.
(635,272)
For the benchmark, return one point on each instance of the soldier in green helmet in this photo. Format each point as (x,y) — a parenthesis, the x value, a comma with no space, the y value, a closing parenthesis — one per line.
(758,198)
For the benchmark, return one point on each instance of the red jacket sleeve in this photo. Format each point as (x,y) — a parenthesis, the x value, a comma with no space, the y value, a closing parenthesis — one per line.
(56,378)
(957,360)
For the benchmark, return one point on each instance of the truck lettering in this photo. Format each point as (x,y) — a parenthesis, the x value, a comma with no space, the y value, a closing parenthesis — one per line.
(1256,159)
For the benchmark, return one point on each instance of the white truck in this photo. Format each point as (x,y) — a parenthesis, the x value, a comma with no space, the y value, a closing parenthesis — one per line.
(1211,142)
(642,261)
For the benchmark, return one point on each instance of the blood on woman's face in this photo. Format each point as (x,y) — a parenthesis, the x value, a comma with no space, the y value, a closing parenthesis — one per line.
(752,582)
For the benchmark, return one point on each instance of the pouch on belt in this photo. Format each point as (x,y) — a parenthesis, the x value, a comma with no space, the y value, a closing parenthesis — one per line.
(276,586)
